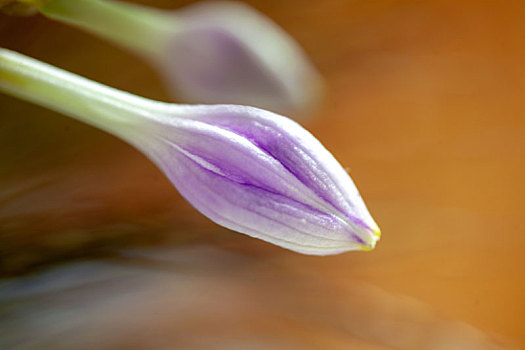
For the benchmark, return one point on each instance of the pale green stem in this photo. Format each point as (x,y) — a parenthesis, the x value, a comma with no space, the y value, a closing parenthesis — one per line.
(117,112)
(142,29)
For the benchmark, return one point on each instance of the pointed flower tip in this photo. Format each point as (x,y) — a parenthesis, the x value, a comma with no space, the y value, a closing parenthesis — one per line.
(374,238)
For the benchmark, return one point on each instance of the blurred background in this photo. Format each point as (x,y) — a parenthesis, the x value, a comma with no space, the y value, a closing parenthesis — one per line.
(424,105)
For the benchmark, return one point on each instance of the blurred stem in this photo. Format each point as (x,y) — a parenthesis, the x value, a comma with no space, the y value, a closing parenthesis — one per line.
(138,28)
(117,112)
(20,7)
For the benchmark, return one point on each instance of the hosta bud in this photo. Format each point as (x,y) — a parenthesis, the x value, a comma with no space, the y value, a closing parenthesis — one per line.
(247,169)
(210,52)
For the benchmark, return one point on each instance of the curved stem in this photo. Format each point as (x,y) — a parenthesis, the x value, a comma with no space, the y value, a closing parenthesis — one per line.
(117,112)
(142,29)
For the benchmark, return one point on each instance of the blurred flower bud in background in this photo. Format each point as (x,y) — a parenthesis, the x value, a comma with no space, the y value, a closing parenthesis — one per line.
(210,52)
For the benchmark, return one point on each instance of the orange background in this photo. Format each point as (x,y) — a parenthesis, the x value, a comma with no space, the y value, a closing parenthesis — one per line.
(424,105)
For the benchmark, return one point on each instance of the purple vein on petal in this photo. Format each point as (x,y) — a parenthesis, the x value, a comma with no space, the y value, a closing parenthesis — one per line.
(205,204)
(310,179)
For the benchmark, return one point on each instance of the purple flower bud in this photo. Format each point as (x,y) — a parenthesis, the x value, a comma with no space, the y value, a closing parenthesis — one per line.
(261,174)
(247,169)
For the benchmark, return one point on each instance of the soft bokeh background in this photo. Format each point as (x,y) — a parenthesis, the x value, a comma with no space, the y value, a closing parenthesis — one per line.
(424,105)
